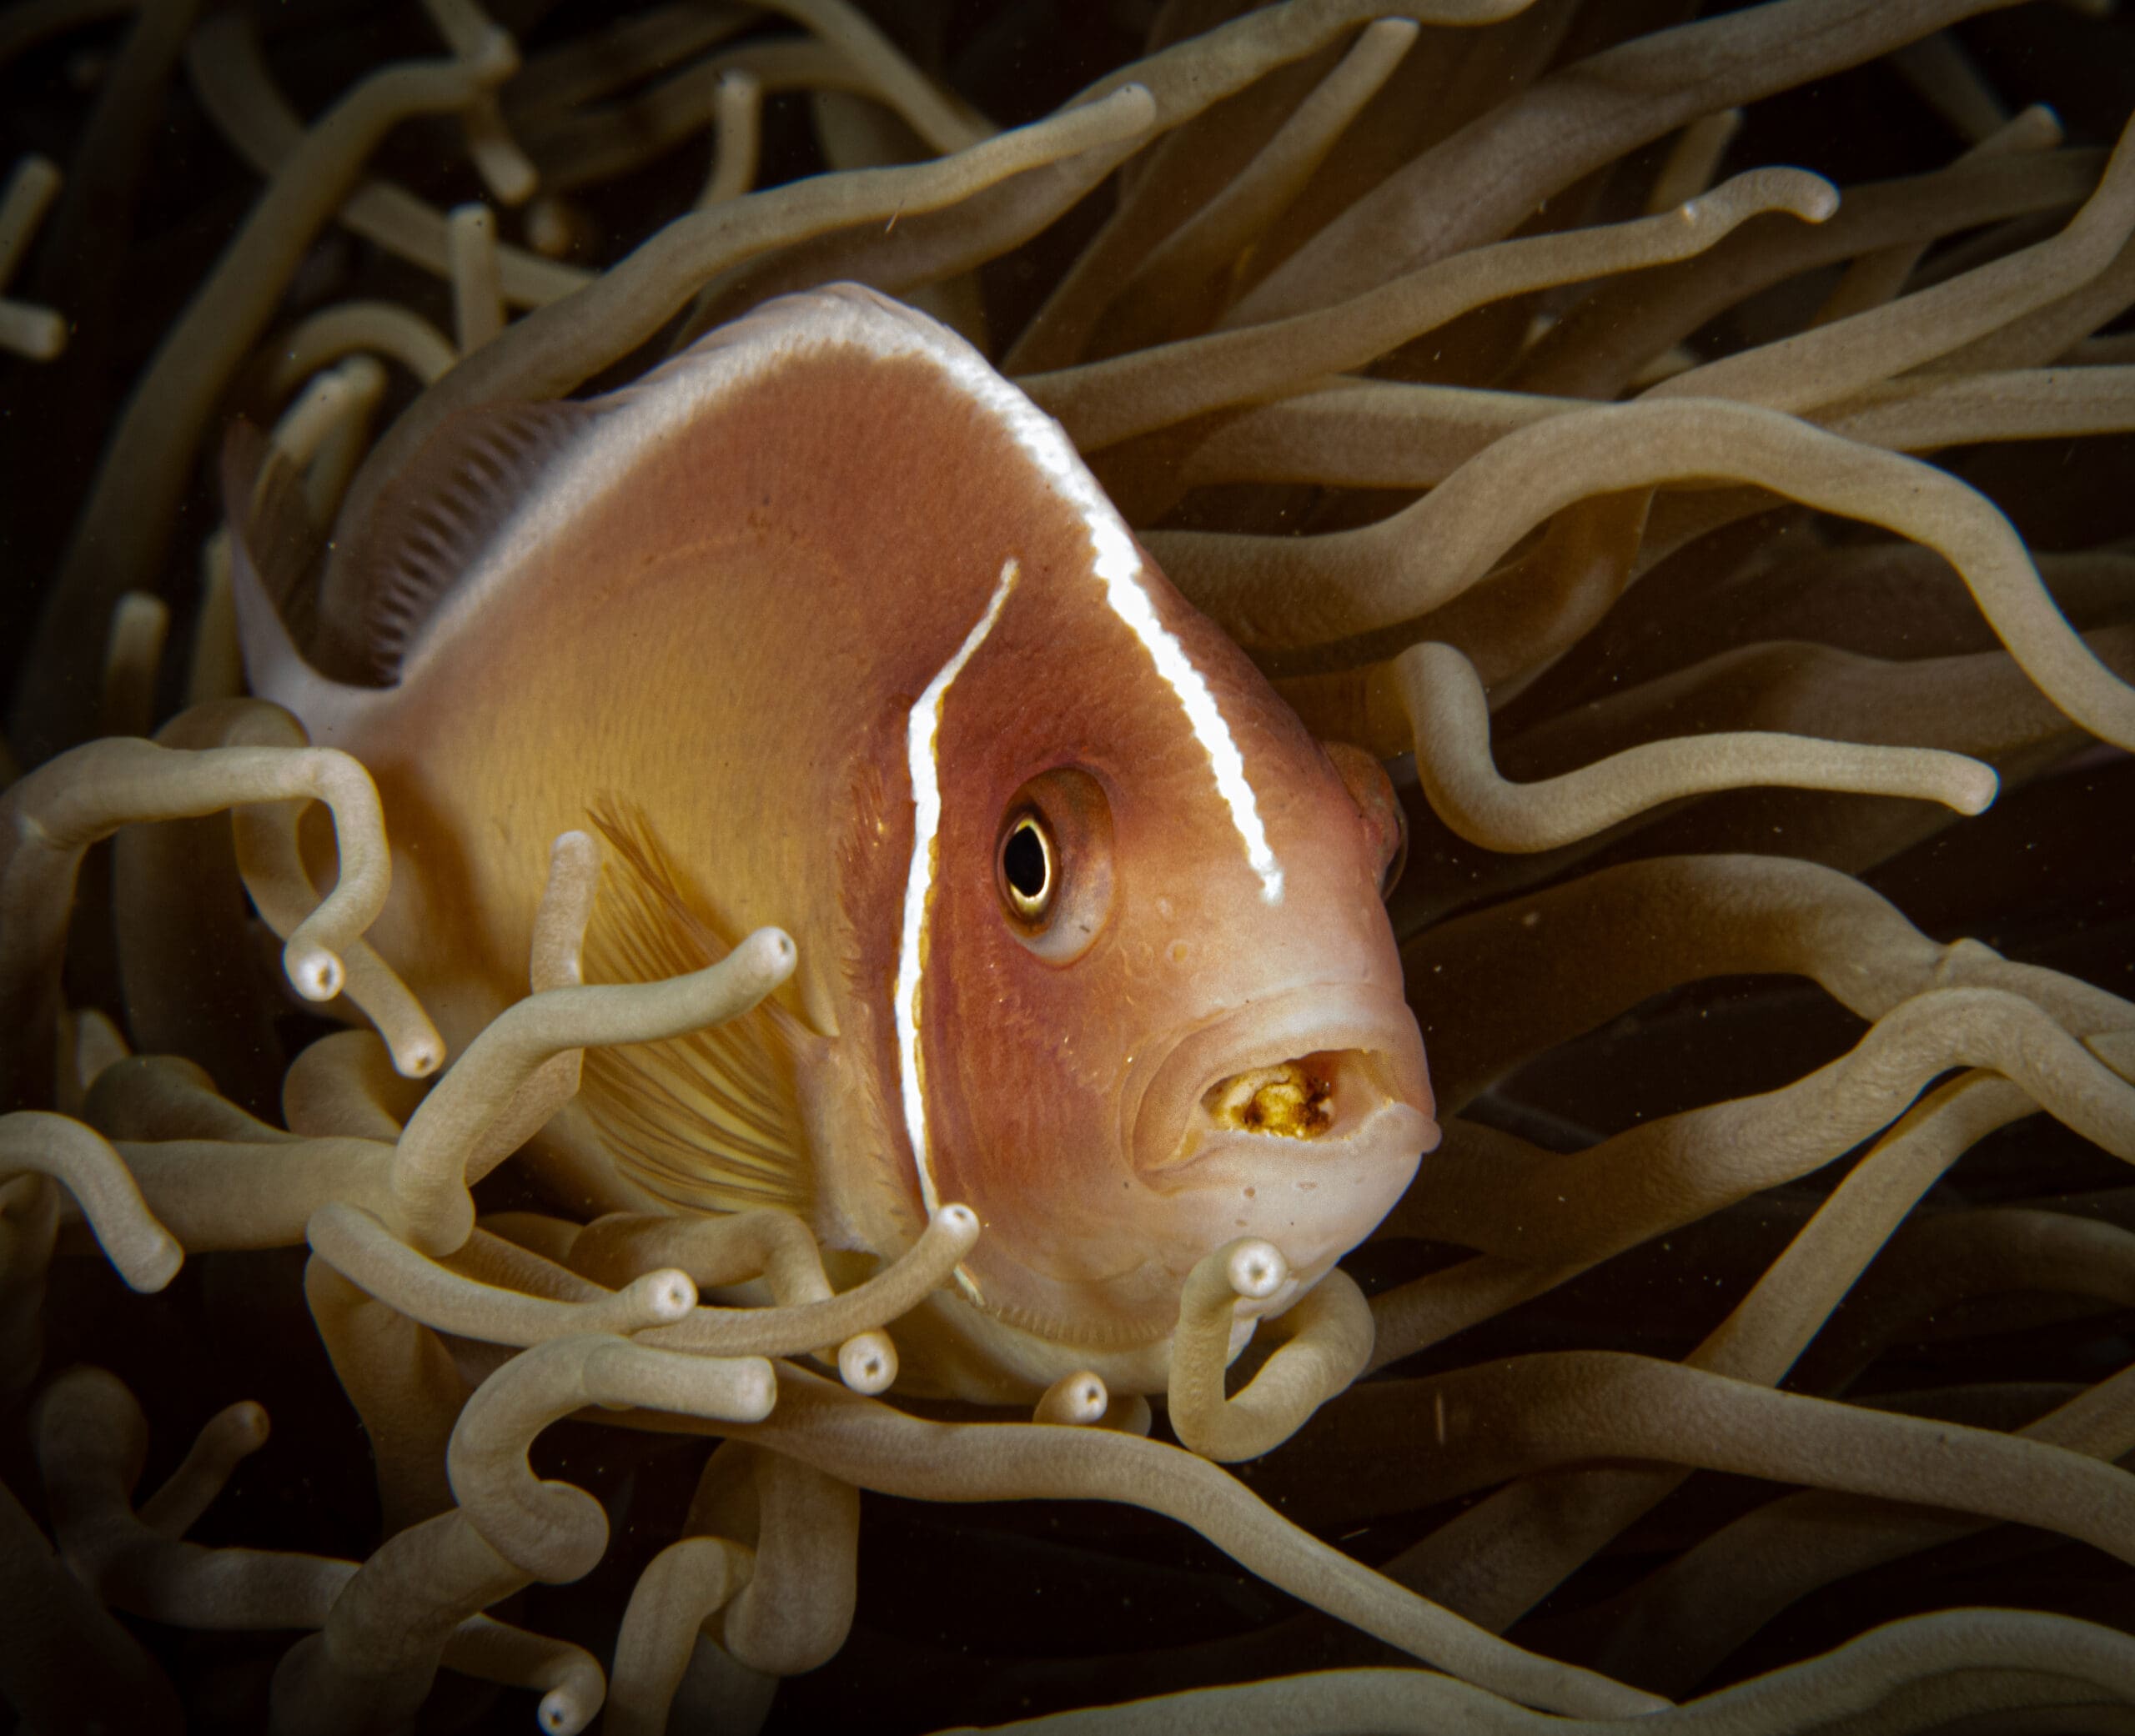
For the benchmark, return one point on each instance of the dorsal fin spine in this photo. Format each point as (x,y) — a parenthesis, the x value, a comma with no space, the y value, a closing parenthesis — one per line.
(437,520)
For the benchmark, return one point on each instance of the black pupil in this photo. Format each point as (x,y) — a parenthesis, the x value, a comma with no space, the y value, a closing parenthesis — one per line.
(1023,859)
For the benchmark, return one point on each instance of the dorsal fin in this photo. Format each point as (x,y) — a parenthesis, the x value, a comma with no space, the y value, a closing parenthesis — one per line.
(441,512)
(710,1122)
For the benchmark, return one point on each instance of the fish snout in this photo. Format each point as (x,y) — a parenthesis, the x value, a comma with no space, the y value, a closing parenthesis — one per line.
(1309,1075)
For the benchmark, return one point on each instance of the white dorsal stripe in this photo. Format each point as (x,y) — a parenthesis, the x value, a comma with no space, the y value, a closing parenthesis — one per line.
(922,731)
(639,416)
(1131,605)
(1118,565)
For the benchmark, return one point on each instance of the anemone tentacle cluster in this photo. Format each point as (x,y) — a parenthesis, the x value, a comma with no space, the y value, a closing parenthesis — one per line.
(1732,561)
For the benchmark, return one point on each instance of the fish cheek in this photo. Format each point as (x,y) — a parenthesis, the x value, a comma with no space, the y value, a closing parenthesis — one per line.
(1024,1034)
(1022,1119)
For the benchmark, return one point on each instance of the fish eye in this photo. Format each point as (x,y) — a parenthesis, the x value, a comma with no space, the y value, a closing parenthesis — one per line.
(1052,864)
(1028,872)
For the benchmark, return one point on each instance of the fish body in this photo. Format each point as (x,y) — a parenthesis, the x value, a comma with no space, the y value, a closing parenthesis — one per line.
(822,625)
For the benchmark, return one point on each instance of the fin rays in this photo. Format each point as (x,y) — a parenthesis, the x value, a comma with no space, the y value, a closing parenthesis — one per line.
(710,1122)
(435,521)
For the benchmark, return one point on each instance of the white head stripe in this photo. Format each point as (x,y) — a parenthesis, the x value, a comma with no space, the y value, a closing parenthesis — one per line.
(921,730)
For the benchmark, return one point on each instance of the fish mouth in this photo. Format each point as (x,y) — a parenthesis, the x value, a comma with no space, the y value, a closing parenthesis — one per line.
(1300,1076)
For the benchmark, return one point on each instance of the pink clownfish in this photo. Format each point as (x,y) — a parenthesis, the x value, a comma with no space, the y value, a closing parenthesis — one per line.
(822,623)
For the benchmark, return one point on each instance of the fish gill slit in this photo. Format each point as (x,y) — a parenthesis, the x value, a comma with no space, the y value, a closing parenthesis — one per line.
(922,731)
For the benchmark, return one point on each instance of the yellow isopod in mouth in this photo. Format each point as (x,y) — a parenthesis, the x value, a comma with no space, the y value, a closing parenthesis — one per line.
(1294,1099)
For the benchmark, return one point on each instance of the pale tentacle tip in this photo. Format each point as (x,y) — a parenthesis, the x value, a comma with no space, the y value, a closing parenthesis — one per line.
(158,1263)
(419,1056)
(316,972)
(1796,192)
(775,949)
(668,1295)
(494,57)
(1817,202)
(867,1362)
(363,378)
(573,845)
(1076,1401)
(1257,1270)
(248,1420)
(1139,100)
(562,1713)
(2042,122)
(959,1221)
(756,1390)
(1976,790)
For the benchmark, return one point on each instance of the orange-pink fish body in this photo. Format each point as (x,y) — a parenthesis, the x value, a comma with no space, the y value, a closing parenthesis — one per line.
(824,626)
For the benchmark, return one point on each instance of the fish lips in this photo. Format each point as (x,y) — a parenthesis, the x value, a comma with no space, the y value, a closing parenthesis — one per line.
(1354,1045)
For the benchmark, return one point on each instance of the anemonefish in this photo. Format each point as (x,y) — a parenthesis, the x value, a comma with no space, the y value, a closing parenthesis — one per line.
(822,623)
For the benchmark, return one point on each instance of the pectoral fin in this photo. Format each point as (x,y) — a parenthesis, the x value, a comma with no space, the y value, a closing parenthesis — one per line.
(711,1122)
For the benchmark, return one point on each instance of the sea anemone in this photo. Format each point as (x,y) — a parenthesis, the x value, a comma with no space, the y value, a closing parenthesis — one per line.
(1731,568)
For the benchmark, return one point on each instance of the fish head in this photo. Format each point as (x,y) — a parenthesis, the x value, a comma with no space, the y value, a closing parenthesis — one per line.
(1165,1006)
